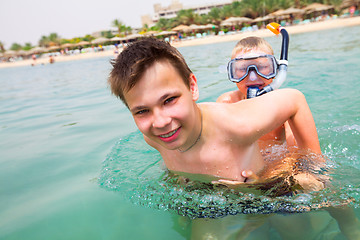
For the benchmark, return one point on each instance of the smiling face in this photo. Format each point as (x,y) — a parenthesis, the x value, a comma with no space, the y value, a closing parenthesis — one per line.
(252,79)
(164,108)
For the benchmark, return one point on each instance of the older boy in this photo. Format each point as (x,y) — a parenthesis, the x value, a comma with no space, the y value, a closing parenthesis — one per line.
(155,83)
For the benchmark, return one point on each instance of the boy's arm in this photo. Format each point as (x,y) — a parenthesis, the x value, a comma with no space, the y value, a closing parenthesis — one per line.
(260,115)
(229,97)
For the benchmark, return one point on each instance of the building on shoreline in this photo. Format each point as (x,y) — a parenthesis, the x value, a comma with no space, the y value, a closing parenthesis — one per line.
(175,6)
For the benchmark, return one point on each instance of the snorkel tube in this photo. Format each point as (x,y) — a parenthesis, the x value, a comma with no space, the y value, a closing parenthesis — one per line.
(283,63)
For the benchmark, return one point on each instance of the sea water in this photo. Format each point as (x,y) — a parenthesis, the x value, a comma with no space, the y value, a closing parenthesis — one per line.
(74,166)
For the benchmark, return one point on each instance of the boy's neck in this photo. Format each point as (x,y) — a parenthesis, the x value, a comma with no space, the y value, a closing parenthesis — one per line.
(199,136)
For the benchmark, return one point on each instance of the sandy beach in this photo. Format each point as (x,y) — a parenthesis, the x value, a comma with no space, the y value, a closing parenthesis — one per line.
(310,27)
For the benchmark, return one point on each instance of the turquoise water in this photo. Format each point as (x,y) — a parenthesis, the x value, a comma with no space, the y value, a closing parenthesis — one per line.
(73,165)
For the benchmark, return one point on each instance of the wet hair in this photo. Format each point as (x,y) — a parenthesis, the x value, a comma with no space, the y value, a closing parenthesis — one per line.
(130,66)
(249,43)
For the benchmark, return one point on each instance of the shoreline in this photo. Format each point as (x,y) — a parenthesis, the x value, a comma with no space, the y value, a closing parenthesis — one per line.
(295,29)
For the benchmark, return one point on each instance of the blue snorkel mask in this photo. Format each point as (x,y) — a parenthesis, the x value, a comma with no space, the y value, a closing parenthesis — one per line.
(265,66)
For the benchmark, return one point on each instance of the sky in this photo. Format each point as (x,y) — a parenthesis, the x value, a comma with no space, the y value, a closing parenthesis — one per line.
(23,21)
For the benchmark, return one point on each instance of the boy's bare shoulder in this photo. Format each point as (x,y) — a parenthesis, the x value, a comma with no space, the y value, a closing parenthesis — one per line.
(230,97)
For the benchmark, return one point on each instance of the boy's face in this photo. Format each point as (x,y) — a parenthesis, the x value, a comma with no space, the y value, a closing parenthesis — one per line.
(253,79)
(163,107)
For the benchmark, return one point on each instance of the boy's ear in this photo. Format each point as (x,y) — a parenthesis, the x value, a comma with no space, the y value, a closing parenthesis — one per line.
(194,87)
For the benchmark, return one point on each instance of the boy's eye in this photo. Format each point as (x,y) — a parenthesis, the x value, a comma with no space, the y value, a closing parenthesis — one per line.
(169,100)
(140,112)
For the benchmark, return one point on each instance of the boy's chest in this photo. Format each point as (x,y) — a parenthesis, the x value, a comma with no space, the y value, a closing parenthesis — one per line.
(222,161)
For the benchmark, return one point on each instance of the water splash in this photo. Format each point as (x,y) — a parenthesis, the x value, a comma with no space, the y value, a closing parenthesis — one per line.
(136,171)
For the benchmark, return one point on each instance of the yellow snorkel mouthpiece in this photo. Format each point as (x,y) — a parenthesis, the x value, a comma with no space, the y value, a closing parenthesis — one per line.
(274,27)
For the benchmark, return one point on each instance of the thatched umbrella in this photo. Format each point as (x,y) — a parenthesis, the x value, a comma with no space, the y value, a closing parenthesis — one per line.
(349,3)
(263,19)
(116,39)
(317,7)
(9,53)
(151,33)
(100,40)
(134,36)
(292,10)
(182,28)
(235,21)
(52,48)
(37,50)
(68,45)
(165,33)
(83,43)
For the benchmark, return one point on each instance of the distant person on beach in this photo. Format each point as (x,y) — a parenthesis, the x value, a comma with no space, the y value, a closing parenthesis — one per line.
(250,48)
(34,59)
(51,59)
(352,10)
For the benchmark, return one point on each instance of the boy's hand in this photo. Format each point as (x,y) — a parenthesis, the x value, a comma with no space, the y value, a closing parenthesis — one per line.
(249,177)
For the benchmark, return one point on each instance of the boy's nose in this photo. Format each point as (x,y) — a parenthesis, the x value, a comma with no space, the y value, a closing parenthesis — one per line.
(160,120)
(253,76)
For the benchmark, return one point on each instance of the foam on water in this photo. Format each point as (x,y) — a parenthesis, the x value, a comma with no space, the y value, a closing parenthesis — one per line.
(136,171)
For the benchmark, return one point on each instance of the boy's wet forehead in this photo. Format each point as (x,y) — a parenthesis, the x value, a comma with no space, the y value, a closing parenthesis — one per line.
(254,52)
(157,82)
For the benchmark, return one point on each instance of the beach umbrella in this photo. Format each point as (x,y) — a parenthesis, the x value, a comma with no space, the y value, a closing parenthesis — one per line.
(68,45)
(22,52)
(181,28)
(52,48)
(37,50)
(277,13)
(317,7)
(235,21)
(83,43)
(100,40)
(210,26)
(349,3)
(292,10)
(263,19)
(116,39)
(195,27)
(165,33)
(150,33)
(9,53)
(134,36)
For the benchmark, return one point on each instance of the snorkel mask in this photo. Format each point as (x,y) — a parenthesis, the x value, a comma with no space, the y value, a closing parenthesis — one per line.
(265,66)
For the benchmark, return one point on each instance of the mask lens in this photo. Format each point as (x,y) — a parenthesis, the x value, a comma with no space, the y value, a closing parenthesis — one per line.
(265,66)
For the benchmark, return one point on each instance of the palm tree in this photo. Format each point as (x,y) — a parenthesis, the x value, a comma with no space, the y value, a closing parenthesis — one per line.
(187,17)
(215,16)
(163,24)
(119,25)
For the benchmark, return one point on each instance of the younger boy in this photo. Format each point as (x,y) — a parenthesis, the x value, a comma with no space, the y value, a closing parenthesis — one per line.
(155,83)
(256,51)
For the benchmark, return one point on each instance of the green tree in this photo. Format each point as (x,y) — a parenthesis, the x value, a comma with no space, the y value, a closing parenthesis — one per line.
(15,47)
(187,17)
(27,46)
(215,16)
(119,25)
(52,40)
(163,24)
